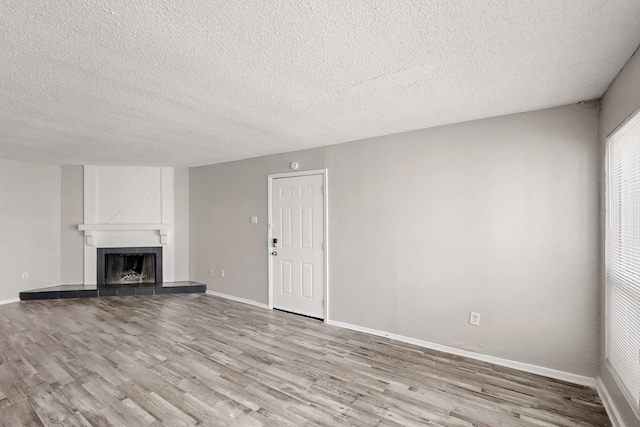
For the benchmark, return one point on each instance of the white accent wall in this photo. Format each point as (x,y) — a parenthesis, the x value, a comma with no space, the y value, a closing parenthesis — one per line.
(136,197)
(29,226)
(497,216)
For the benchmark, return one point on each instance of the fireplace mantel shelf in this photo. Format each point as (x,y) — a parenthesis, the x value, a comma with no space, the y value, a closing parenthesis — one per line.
(123,227)
(91,229)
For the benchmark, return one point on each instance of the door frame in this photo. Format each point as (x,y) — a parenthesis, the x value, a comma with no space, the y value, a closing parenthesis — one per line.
(325,236)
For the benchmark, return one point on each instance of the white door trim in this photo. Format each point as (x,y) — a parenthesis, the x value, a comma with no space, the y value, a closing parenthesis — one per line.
(325,236)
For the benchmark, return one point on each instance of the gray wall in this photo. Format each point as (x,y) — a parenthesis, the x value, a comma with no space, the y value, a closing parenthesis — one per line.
(72,214)
(181,226)
(621,100)
(498,216)
(29,226)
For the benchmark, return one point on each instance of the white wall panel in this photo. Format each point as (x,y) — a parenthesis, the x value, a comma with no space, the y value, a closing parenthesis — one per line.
(128,195)
(117,195)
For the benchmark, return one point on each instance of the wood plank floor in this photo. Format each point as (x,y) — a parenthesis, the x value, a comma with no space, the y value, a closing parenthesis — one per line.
(200,360)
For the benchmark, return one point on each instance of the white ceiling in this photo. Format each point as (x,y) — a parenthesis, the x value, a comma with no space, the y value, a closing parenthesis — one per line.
(194,82)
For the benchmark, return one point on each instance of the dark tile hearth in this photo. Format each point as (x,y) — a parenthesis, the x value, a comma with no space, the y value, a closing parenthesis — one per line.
(91,291)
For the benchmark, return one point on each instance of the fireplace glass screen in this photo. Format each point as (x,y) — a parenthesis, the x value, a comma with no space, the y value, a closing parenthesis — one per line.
(130,268)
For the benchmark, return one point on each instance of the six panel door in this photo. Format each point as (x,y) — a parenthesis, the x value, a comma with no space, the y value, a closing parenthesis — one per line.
(298,224)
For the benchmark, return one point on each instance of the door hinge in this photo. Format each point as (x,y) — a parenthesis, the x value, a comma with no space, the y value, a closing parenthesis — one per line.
(323,246)
(322,189)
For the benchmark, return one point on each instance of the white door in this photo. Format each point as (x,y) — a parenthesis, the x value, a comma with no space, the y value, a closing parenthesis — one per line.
(298,256)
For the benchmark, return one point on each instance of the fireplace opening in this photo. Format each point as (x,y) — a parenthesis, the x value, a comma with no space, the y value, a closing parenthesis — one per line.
(129,266)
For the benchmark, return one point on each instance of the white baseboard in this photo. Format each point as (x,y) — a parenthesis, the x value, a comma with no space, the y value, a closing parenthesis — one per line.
(525,367)
(238,299)
(609,405)
(9,301)
(533,369)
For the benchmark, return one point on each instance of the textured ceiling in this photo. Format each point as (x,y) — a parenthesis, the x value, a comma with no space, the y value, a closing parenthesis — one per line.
(194,82)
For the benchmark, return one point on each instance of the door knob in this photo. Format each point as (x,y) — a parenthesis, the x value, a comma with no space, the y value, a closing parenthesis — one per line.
(274,253)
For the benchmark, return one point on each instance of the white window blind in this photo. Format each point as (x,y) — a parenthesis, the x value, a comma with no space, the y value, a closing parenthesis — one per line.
(623,257)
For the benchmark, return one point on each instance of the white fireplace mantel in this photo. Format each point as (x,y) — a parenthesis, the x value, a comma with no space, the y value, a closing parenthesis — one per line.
(91,230)
(128,206)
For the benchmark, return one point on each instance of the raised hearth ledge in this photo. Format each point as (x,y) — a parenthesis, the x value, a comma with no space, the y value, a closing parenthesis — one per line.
(92,291)
(91,230)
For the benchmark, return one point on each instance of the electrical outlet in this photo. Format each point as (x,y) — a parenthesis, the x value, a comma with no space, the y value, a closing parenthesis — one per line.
(474,318)
(25,276)
(254,220)
(211,272)
(221,273)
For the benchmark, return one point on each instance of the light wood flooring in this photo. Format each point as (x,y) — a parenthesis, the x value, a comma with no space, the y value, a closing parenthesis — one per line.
(200,360)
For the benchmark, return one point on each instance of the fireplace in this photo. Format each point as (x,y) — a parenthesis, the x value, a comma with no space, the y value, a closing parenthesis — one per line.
(129,266)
